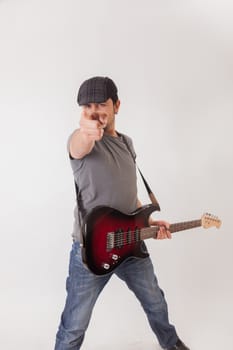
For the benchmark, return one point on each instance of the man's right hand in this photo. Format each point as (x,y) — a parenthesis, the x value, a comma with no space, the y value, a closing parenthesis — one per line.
(91,126)
(83,139)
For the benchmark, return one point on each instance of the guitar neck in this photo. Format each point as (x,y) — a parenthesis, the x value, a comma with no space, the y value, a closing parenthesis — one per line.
(151,232)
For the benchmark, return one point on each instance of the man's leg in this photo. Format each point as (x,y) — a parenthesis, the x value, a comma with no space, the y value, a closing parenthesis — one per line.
(140,278)
(83,289)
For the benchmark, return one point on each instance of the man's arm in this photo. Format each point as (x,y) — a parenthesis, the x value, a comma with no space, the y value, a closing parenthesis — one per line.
(83,139)
(80,145)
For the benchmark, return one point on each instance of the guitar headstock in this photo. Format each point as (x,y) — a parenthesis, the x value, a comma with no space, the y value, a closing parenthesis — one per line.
(209,220)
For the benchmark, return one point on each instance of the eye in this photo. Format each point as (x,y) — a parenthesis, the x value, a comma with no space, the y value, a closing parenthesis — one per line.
(87,105)
(103,104)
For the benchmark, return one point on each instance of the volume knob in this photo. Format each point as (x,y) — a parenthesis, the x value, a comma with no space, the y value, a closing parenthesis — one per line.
(106,266)
(115,257)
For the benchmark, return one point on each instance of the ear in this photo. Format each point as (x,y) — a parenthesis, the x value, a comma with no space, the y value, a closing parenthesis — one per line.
(117,106)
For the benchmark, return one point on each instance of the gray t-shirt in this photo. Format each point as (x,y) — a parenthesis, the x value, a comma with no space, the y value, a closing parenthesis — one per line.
(105,176)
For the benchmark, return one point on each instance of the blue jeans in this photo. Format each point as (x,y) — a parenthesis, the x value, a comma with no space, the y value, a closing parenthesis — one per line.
(83,289)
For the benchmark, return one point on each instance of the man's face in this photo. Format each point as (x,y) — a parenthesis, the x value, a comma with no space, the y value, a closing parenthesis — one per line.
(103,112)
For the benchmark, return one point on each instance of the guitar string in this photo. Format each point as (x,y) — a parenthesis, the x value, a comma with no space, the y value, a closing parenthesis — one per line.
(156,228)
(122,239)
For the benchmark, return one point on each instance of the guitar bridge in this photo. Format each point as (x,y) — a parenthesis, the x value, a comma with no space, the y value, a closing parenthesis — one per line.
(110,241)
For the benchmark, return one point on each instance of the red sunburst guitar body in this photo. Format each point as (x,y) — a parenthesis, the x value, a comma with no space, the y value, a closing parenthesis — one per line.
(110,237)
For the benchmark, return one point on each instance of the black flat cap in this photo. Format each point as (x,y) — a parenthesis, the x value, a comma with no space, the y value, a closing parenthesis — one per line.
(97,90)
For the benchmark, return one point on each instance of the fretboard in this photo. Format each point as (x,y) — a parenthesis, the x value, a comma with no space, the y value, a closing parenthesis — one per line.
(149,232)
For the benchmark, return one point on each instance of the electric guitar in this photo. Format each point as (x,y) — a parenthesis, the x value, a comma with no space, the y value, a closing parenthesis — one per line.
(110,237)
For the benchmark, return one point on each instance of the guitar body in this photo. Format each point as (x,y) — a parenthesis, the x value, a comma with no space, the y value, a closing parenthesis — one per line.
(110,237)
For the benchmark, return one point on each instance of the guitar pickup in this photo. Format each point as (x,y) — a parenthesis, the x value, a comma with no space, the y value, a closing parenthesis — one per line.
(110,241)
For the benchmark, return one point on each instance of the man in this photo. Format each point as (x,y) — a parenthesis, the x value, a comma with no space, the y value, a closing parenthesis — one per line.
(105,174)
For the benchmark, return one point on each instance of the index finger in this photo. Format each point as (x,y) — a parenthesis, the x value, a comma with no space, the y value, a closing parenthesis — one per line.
(85,114)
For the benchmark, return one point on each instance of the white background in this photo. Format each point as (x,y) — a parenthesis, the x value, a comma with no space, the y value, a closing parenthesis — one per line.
(172,62)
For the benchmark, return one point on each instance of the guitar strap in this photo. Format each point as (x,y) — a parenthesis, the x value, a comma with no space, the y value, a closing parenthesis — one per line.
(79,214)
(149,191)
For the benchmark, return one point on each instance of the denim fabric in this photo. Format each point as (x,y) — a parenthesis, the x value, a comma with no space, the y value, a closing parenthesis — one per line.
(83,289)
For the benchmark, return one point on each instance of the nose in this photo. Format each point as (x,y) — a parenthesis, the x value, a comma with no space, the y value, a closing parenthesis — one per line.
(93,110)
